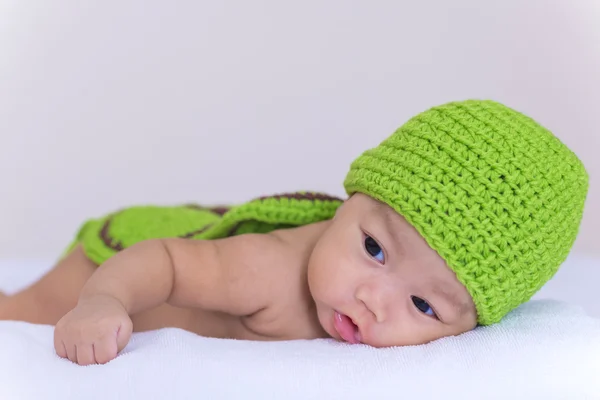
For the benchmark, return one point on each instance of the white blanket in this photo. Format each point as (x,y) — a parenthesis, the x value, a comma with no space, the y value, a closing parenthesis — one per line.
(543,350)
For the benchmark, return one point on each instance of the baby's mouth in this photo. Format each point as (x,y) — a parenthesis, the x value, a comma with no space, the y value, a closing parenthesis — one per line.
(346,328)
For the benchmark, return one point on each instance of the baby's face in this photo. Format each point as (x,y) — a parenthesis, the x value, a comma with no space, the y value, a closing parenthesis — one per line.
(375,280)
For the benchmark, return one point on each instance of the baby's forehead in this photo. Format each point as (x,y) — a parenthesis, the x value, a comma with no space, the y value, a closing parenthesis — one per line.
(372,205)
(393,219)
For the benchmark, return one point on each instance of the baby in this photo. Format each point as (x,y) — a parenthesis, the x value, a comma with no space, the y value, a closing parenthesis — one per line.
(458,217)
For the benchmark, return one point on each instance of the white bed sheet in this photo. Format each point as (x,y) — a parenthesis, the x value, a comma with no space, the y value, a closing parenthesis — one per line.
(545,349)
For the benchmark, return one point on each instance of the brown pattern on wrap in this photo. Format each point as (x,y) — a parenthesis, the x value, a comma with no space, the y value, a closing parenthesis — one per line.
(219,210)
(106,239)
(196,232)
(302,196)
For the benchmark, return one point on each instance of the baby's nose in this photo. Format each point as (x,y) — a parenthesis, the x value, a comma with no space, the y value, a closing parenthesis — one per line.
(371,299)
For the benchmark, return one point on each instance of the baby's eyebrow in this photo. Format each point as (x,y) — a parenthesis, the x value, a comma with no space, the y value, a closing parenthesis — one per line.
(451,297)
(389,225)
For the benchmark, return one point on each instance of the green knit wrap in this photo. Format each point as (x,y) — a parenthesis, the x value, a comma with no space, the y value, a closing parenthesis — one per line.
(497,195)
(103,237)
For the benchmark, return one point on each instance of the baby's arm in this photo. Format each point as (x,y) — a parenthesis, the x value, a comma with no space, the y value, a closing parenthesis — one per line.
(230,275)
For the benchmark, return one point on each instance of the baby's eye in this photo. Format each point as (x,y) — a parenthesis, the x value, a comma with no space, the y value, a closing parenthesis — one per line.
(423,306)
(374,249)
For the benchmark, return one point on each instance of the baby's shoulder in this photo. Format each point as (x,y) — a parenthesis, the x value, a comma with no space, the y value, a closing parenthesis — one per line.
(297,244)
(290,298)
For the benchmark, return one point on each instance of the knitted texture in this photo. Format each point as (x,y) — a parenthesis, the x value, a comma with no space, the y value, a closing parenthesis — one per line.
(101,238)
(498,196)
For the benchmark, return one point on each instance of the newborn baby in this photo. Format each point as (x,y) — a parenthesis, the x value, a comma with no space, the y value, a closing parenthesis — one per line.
(458,217)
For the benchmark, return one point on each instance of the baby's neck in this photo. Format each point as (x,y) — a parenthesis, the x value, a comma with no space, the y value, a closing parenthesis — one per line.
(304,239)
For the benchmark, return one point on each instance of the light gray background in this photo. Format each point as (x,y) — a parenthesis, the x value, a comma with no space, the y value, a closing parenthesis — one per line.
(111,103)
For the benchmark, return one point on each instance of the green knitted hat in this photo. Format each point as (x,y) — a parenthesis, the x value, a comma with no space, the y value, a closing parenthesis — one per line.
(498,196)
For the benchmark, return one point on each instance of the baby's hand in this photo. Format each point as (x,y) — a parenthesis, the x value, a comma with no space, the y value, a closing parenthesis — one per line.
(93,332)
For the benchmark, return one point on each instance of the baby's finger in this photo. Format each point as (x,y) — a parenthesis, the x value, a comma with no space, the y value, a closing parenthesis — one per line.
(71,352)
(64,350)
(105,350)
(85,354)
(59,347)
(124,334)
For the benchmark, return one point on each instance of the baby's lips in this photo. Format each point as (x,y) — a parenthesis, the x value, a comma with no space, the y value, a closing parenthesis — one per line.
(346,328)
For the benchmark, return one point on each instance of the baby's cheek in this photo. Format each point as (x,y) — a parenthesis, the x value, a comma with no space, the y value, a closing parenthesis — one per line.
(394,334)
(376,334)
(376,338)
(321,283)
(326,273)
